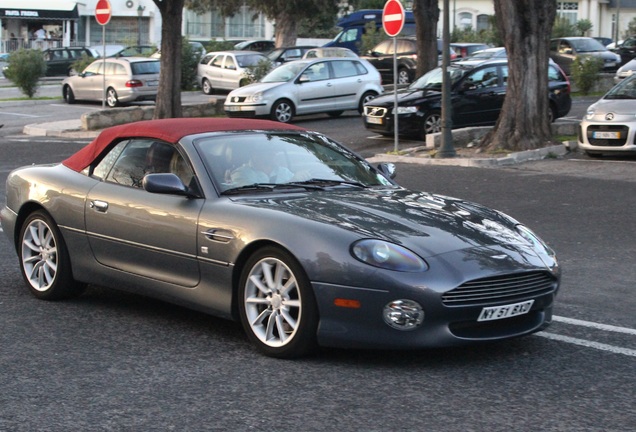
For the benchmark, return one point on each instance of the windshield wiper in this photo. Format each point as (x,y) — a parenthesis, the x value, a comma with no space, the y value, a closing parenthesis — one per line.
(322,183)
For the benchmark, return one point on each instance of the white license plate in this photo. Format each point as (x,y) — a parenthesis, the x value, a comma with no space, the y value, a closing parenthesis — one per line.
(606,135)
(232,108)
(152,83)
(375,120)
(505,311)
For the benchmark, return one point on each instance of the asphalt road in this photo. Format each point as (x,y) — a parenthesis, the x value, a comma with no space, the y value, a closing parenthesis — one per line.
(112,361)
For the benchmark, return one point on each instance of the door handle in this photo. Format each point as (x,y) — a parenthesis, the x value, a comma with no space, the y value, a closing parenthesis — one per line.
(100,206)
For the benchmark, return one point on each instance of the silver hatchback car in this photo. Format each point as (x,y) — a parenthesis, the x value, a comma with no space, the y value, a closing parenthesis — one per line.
(609,127)
(127,79)
(309,86)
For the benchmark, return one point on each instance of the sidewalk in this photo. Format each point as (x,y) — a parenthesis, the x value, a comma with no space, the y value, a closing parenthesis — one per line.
(416,155)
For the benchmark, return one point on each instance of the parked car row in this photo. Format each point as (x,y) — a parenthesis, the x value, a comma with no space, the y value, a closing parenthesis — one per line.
(478,90)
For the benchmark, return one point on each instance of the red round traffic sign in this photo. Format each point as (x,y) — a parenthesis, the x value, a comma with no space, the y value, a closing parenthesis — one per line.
(393,17)
(102,12)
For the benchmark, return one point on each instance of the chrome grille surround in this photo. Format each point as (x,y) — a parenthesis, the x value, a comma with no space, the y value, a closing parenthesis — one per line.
(506,288)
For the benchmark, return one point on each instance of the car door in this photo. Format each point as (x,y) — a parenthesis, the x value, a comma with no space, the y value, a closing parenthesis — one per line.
(479,96)
(349,82)
(214,70)
(230,75)
(146,234)
(89,84)
(314,89)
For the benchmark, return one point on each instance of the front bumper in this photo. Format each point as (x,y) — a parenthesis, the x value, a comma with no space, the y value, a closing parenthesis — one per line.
(608,136)
(381,120)
(242,110)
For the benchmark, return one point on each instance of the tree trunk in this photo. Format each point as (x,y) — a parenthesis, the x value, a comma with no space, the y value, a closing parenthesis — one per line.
(168,103)
(426,14)
(525,26)
(286,30)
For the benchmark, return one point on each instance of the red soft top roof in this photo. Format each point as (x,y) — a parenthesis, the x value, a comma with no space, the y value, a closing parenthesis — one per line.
(169,130)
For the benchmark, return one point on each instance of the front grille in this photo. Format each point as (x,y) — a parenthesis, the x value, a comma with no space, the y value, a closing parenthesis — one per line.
(624,131)
(371,111)
(501,288)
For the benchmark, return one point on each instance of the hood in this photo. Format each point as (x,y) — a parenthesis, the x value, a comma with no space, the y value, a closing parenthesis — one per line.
(253,88)
(406,96)
(616,106)
(427,224)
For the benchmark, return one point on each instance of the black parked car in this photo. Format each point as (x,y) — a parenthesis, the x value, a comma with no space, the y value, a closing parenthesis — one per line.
(478,90)
(381,56)
(59,61)
(627,50)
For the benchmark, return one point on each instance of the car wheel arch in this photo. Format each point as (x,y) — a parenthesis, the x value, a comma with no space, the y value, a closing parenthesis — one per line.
(25,211)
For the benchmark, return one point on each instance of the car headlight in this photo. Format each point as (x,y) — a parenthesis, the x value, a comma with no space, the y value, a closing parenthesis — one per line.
(589,114)
(256,97)
(390,256)
(534,240)
(405,110)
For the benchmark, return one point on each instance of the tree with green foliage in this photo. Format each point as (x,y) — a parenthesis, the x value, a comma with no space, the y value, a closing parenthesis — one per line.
(583,26)
(286,13)
(585,72)
(25,68)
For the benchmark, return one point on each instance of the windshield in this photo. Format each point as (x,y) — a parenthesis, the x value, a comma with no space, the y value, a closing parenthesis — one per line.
(626,89)
(262,161)
(432,80)
(587,45)
(284,73)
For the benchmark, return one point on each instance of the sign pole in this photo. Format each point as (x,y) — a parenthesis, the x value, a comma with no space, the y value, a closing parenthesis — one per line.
(393,18)
(102,16)
(104,67)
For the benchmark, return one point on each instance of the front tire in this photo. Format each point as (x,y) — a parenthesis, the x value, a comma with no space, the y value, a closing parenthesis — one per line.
(111,98)
(282,111)
(432,123)
(44,259)
(276,304)
(69,96)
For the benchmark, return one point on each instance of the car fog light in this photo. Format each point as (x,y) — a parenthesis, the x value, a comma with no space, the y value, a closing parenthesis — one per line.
(403,314)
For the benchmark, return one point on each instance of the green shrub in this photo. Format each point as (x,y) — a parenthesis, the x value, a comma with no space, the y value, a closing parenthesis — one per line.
(25,68)
(585,72)
(82,63)
(219,45)
(258,71)
(189,60)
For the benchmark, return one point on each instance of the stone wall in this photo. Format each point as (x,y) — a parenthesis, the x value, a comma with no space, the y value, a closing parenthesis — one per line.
(97,120)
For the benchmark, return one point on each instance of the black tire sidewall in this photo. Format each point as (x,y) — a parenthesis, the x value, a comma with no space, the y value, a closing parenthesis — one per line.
(304,341)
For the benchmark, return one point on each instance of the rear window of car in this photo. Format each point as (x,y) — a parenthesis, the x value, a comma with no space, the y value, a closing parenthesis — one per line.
(555,74)
(145,68)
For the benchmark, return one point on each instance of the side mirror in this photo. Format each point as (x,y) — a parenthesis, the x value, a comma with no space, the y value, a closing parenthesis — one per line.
(388,170)
(164,183)
(303,78)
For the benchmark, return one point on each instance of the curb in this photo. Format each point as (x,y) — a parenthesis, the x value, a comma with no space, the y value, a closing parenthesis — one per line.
(511,159)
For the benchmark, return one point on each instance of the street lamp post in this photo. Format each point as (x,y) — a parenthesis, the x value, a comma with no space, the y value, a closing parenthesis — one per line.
(140,13)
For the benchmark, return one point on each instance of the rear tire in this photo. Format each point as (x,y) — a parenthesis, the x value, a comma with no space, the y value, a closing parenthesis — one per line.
(366,97)
(44,259)
(111,98)
(404,77)
(207,87)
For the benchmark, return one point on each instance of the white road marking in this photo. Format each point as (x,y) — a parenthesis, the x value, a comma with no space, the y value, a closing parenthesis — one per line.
(598,326)
(588,344)
(21,115)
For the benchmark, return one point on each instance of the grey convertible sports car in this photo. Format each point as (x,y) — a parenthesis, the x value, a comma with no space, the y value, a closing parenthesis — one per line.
(281,228)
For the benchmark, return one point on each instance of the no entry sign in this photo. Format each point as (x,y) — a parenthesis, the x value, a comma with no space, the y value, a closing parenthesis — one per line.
(102,12)
(393,17)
